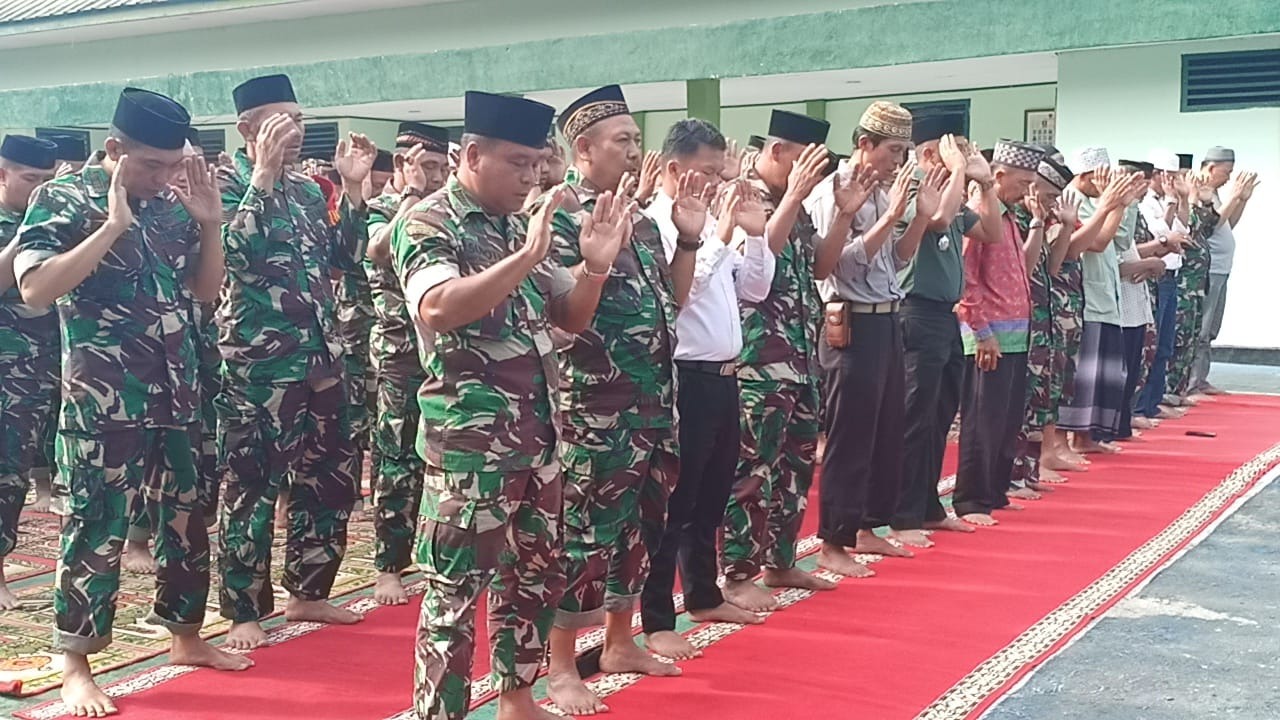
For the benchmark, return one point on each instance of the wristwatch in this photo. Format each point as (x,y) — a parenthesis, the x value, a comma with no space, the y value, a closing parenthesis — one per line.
(411,192)
(688,246)
(1037,223)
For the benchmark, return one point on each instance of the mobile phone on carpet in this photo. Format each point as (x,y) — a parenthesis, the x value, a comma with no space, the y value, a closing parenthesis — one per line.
(1202,433)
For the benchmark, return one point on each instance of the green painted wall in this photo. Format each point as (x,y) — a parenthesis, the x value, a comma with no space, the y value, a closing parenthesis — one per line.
(442,50)
(1144,112)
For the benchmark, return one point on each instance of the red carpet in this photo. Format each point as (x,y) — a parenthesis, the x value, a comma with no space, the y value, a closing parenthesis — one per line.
(882,648)
(890,646)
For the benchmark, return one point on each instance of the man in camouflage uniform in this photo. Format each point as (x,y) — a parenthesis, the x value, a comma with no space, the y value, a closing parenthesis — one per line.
(778,378)
(477,279)
(1042,223)
(282,410)
(28,349)
(395,361)
(1193,286)
(114,246)
(617,400)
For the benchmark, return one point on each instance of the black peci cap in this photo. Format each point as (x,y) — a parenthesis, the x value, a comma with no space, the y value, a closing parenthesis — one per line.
(929,128)
(383,162)
(263,91)
(797,128)
(432,138)
(599,104)
(152,119)
(503,117)
(32,152)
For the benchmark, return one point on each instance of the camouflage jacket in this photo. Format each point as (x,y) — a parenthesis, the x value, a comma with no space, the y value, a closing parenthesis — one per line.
(129,348)
(618,372)
(487,398)
(780,333)
(277,319)
(392,335)
(25,332)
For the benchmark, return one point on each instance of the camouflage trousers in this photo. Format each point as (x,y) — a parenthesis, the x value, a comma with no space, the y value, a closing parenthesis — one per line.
(1068,327)
(355,324)
(28,403)
(1148,357)
(108,476)
(481,530)
(397,476)
(1192,286)
(775,472)
(615,481)
(267,433)
(1042,397)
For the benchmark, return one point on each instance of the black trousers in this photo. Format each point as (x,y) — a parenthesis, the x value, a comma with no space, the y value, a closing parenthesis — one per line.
(1135,340)
(865,403)
(709,440)
(934,361)
(993,405)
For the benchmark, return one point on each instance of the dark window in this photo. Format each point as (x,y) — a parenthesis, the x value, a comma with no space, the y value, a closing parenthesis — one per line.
(1231,80)
(956,111)
(213,142)
(319,140)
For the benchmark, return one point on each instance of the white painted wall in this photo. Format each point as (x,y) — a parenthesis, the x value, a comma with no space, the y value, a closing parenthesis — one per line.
(1128,100)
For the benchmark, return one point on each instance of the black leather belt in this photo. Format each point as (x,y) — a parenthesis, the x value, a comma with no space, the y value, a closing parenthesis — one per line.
(723,369)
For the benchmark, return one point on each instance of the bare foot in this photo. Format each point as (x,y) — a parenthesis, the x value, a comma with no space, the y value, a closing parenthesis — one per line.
(8,601)
(319,611)
(1039,487)
(519,705)
(44,495)
(1024,494)
(835,559)
(749,596)
(246,636)
(950,525)
(1144,423)
(1053,477)
(567,691)
(872,544)
(138,558)
(193,650)
(726,613)
(795,578)
(1014,506)
(670,644)
(80,693)
(627,658)
(1092,447)
(1055,463)
(1168,412)
(389,589)
(980,519)
(1210,390)
(912,538)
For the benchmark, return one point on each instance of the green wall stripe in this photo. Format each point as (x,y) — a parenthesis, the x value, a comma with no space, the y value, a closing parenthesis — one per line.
(852,38)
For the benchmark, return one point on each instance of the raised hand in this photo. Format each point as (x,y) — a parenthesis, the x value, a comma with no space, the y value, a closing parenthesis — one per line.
(807,171)
(728,213)
(604,231)
(537,239)
(751,215)
(929,192)
(276,134)
(1068,210)
(1102,176)
(64,168)
(977,168)
(1035,204)
(852,188)
(1168,185)
(732,160)
(413,176)
(689,211)
(900,190)
(354,158)
(1181,188)
(201,196)
(1244,184)
(649,172)
(952,157)
(1113,192)
(1200,186)
(118,211)
(626,186)
(1179,242)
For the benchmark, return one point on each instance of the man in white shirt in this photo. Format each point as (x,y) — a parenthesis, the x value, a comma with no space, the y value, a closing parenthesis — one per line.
(1217,165)
(1166,209)
(709,339)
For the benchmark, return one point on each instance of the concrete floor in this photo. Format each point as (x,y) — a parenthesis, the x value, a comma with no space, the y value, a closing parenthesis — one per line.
(1201,642)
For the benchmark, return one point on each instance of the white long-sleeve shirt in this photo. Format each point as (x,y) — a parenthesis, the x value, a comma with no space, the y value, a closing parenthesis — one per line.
(709,326)
(1153,209)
